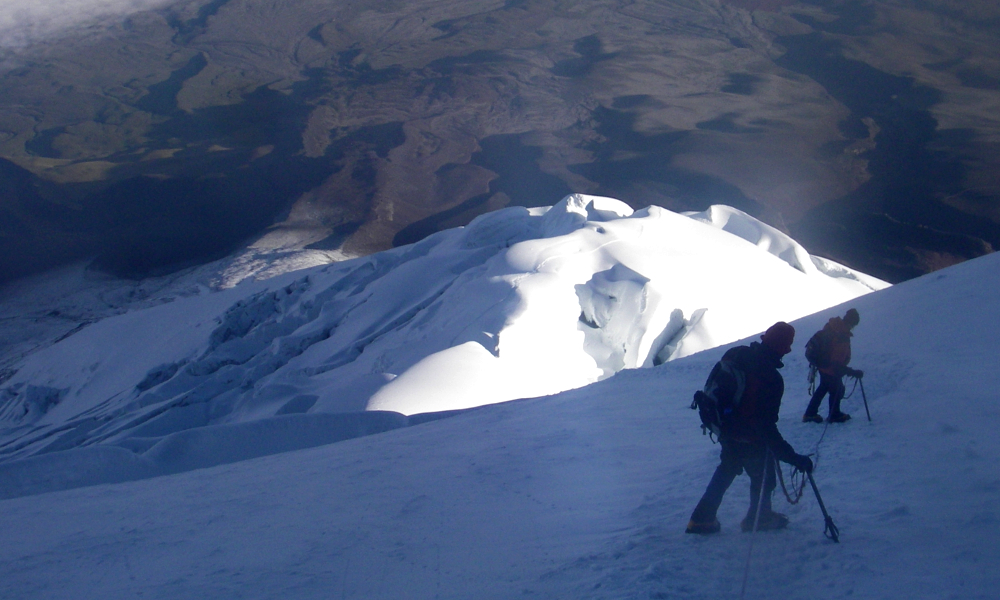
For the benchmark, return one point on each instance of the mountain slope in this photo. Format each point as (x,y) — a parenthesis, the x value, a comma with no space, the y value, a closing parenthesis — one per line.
(581,495)
(521,303)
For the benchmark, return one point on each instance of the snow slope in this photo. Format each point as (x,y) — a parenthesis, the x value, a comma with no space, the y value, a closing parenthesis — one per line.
(583,495)
(520,303)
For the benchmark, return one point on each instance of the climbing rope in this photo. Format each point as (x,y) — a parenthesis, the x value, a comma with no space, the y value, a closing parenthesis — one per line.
(852,389)
(756,519)
(798,480)
(815,452)
(797,477)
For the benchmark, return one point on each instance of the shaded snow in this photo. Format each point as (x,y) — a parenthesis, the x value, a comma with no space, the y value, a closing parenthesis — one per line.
(581,495)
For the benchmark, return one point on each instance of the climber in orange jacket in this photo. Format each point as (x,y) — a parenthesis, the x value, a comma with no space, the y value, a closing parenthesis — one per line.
(829,350)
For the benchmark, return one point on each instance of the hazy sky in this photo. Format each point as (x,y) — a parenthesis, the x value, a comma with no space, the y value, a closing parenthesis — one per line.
(26,21)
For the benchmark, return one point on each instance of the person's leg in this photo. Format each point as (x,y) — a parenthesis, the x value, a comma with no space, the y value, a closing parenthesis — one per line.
(817,397)
(836,395)
(759,463)
(729,467)
(761,468)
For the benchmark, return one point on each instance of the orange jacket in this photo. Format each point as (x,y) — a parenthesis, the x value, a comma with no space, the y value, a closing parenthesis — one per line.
(838,339)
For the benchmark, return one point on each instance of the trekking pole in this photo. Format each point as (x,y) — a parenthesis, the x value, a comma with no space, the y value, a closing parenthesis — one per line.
(864,397)
(830,530)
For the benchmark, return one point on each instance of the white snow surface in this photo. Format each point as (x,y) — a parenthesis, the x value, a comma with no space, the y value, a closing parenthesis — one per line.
(520,303)
(583,494)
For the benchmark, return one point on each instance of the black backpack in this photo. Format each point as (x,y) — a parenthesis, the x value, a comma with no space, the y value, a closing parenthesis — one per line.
(817,349)
(718,402)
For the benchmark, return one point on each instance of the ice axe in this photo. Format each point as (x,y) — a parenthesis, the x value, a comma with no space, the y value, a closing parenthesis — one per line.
(865,398)
(859,377)
(830,529)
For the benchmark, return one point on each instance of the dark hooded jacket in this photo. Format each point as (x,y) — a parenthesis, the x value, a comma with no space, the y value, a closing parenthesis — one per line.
(756,418)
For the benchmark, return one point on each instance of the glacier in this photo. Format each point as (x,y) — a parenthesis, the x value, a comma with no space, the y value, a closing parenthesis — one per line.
(520,303)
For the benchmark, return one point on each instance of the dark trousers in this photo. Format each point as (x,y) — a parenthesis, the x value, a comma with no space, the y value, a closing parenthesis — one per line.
(834,384)
(735,458)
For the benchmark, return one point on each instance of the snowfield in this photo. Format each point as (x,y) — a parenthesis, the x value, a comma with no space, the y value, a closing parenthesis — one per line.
(521,303)
(582,494)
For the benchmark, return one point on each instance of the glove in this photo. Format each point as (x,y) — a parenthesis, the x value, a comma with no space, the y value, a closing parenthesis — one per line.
(802,463)
(854,372)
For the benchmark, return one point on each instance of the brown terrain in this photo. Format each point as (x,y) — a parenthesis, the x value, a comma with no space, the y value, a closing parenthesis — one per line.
(868,130)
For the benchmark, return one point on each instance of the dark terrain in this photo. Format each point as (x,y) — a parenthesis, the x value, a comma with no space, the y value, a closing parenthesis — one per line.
(868,130)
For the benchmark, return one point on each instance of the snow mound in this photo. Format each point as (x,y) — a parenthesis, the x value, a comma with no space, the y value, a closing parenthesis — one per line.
(763,236)
(520,303)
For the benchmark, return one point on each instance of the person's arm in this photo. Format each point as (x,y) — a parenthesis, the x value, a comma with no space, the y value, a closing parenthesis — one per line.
(781,449)
(844,356)
(767,429)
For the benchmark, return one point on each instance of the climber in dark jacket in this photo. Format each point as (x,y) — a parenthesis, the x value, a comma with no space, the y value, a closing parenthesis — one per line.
(751,441)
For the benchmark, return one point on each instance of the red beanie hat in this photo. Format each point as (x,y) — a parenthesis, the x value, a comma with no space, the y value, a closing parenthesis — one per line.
(779,337)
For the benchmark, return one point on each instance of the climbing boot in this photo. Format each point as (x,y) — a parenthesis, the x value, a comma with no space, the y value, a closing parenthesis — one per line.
(839,418)
(813,418)
(703,528)
(768,520)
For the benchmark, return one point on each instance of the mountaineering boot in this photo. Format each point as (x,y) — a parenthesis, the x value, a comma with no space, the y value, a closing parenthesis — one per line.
(839,417)
(813,418)
(768,520)
(706,527)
